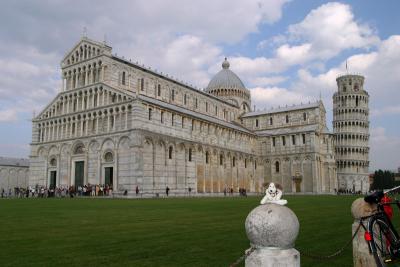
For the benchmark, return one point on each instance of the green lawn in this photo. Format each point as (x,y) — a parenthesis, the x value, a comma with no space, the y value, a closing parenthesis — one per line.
(158,232)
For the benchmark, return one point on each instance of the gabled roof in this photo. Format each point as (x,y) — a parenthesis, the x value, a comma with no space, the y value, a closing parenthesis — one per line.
(194,114)
(126,93)
(85,40)
(289,130)
(170,79)
(283,109)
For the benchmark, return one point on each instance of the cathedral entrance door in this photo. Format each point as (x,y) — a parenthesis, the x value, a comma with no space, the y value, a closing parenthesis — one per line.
(298,187)
(53,179)
(108,176)
(79,169)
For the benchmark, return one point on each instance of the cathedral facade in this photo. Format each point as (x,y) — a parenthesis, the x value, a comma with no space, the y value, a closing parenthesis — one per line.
(121,124)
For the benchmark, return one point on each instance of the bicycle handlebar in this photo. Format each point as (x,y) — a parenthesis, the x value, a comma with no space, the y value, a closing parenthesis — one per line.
(390,190)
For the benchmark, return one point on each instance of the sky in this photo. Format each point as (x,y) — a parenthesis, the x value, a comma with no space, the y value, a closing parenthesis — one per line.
(285,51)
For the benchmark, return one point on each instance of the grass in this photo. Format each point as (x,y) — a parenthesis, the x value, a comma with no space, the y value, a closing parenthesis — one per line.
(158,232)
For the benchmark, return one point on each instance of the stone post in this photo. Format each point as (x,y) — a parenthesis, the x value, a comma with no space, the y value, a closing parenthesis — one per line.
(272,230)
(361,255)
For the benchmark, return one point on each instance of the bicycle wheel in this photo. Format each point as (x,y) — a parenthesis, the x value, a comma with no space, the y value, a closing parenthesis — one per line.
(382,240)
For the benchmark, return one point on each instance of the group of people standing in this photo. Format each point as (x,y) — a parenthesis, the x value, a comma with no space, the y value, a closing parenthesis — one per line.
(62,191)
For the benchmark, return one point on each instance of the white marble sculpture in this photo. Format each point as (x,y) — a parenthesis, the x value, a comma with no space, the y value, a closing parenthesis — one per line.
(273,194)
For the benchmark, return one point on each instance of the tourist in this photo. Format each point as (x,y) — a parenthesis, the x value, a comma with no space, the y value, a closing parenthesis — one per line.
(137,190)
(167,190)
(2,193)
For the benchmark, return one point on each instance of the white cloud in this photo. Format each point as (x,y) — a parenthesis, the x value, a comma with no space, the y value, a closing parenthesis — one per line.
(265,81)
(269,97)
(391,110)
(381,69)
(384,152)
(8,115)
(293,55)
(330,29)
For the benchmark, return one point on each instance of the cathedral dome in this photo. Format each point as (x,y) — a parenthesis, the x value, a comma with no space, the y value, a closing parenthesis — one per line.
(225,79)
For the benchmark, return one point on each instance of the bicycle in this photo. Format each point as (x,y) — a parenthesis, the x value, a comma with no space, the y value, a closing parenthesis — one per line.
(383,239)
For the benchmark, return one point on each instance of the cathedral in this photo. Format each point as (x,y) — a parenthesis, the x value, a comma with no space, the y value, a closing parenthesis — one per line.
(124,125)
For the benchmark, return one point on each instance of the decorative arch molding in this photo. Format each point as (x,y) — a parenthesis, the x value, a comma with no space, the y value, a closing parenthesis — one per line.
(94,145)
(65,149)
(123,142)
(107,143)
(54,150)
(148,141)
(78,148)
(42,152)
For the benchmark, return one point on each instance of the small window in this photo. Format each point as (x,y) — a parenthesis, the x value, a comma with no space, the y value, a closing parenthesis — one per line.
(255,165)
(53,162)
(270,121)
(304,138)
(95,101)
(173,95)
(192,125)
(283,140)
(256,122)
(197,104)
(159,90)
(184,99)
(206,107)
(304,116)
(123,78)
(170,152)
(108,157)
(287,118)
(277,167)
(172,119)
(150,113)
(162,117)
(190,154)
(221,159)
(207,157)
(142,84)
(245,163)
(183,122)
(273,141)
(216,110)
(293,140)
(233,161)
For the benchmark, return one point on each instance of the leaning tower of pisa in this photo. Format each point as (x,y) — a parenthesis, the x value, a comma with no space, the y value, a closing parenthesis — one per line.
(351,130)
